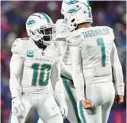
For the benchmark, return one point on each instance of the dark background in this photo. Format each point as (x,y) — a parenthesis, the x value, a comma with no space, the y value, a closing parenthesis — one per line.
(13,18)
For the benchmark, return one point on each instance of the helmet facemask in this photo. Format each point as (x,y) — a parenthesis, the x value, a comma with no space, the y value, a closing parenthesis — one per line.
(48,34)
(43,34)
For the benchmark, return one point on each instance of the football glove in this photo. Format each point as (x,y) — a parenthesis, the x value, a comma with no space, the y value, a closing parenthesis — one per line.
(64,111)
(61,29)
(17,106)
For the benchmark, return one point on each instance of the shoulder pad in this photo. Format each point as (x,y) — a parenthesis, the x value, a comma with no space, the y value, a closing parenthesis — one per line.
(111,32)
(17,46)
(74,41)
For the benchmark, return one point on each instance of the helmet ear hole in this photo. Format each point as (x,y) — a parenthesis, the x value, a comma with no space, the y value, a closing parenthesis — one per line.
(84,11)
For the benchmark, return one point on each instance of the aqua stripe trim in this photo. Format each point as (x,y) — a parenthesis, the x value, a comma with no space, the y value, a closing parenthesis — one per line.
(73,101)
(88,3)
(90,14)
(81,112)
(71,2)
(37,16)
(46,17)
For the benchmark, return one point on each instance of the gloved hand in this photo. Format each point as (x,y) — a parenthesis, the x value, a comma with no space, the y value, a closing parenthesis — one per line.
(64,111)
(61,28)
(17,106)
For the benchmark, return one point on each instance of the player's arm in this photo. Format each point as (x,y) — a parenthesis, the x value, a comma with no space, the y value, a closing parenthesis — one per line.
(65,72)
(58,88)
(77,75)
(61,31)
(16,65)
(118,75)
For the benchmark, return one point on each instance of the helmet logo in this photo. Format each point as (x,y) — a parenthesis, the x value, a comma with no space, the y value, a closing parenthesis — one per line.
(74,10)
(30,22)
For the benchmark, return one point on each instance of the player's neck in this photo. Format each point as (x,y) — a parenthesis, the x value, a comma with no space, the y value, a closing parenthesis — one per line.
(84,25)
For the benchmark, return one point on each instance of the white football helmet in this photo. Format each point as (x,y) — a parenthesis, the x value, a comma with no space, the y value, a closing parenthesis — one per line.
(76,12)
(39,27)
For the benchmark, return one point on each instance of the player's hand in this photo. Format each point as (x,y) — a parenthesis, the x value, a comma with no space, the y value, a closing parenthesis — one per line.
(64,111)
(61,28)
(119,99)
(17,106)
(87,104)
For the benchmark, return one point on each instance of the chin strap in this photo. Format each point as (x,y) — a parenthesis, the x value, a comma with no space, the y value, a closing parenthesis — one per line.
(47,43)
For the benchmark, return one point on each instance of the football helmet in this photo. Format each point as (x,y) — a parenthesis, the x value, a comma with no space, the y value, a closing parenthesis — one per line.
(39,27)
(76,12)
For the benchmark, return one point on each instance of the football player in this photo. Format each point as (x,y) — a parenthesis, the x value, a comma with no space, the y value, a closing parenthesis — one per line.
(70,90)
(93,54)
(35,60)
(71,97)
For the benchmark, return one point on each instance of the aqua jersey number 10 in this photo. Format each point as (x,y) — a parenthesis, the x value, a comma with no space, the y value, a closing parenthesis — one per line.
(41,74)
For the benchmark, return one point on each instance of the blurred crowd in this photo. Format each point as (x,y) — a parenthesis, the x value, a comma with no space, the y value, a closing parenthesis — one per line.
(13,18)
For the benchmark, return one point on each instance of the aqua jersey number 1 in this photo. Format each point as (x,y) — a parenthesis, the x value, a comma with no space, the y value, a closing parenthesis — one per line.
(101,43)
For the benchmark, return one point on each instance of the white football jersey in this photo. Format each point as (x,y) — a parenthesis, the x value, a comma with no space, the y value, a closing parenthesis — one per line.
(37,64)
(98,54)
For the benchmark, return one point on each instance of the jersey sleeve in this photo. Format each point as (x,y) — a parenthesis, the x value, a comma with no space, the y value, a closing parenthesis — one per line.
(16,64)
(55,70)
(77,72)
(57,83)
(117,71)
(55,73)
(111,32)
(62,46)
(17,47)
(74,40)
(65,71)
